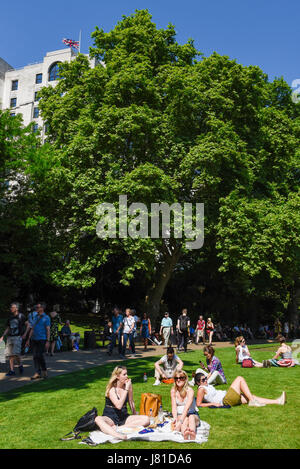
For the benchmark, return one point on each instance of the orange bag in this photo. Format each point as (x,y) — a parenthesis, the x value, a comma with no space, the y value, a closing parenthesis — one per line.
(150,401)
(168,381)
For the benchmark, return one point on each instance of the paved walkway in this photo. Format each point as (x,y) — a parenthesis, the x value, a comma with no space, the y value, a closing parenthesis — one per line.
(68,362)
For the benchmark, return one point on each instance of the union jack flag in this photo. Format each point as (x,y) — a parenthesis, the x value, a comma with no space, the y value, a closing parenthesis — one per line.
(71,43)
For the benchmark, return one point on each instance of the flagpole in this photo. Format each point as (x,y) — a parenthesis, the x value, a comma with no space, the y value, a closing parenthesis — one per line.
(79,40)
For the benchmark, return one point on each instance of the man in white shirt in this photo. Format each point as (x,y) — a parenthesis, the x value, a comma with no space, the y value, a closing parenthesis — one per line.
(166,328)
(170,364)
(128,332)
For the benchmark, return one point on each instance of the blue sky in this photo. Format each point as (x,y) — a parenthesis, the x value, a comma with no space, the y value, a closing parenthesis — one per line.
(259,32)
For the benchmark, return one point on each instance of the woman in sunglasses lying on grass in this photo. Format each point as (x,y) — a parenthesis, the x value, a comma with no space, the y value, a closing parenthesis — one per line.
(238,393)
(184,412)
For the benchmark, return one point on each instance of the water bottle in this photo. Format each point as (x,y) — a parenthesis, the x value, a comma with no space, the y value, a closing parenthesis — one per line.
(145,377)
(151,417)
(161,415)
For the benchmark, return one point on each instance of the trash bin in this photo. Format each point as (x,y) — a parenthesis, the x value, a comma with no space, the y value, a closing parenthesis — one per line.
(89,340)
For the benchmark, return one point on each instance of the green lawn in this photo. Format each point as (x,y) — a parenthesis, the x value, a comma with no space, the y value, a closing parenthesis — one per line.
(37,415)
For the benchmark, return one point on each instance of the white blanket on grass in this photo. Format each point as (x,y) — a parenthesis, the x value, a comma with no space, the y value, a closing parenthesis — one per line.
(159,434)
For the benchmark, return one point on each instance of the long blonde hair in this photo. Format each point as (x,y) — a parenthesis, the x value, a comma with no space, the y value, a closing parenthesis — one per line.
(238,340)
(183,390)
(114,378)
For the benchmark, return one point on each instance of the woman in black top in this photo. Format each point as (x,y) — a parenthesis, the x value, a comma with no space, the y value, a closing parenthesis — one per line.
(118,393)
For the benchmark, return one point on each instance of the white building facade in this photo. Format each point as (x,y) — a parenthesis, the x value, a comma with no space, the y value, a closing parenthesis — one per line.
(19,87)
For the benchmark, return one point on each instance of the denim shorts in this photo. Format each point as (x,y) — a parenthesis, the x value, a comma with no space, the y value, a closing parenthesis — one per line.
(13,345)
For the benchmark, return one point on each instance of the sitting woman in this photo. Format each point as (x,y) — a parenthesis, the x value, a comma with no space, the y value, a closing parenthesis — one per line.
(213,371)
(238,393)
(283,356)
(118,394)
(242,352)
(184,412)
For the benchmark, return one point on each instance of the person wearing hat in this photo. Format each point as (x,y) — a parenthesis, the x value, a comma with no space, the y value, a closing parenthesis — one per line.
(166,328)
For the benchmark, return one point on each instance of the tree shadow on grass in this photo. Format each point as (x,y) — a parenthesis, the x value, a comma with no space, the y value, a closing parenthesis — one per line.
(84,378)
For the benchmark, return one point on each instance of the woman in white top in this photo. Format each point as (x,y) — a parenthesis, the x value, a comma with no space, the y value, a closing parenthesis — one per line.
(184,411)
(242,352)
(237,394)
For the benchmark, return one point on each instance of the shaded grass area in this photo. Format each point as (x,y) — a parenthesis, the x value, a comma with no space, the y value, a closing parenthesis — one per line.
(37,415)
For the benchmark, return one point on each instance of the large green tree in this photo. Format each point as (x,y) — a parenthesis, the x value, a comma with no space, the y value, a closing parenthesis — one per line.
(155,123)
(24,254)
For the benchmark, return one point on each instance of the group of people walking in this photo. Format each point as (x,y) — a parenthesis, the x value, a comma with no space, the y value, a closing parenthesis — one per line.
(184,330)
(39,332)
(124,328)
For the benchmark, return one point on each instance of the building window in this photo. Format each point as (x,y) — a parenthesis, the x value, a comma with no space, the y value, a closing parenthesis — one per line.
(12,114)
(35,128)
(36,112)
(36,96)
(54,72)
(14,85)
(13,102)
(38,78)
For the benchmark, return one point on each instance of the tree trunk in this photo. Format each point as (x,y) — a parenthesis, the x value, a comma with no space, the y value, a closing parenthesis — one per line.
(171,255)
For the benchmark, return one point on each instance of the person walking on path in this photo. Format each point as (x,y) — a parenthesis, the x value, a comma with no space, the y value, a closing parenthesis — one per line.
(117,329)
(200,331)
(15,332)
(166,328)
(128,332)
(55,322)
(145,329)
(40,336)
(210,330)
(183,325)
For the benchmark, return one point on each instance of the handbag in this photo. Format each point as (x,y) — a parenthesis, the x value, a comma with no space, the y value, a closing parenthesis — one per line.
(150,401)
(247,363)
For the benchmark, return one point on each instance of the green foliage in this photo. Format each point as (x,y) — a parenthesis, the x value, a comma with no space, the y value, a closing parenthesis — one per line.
(155,123)
(24,251)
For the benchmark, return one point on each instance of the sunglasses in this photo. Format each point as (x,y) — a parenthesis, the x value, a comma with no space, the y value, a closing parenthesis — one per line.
(202,380)
(180,378)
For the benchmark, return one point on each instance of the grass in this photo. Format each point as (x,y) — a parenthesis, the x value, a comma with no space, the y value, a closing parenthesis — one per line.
(38,414)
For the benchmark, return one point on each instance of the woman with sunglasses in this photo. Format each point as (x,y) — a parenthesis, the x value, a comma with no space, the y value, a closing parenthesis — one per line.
(238,393)
(184,411)
(118,393)
(242,352)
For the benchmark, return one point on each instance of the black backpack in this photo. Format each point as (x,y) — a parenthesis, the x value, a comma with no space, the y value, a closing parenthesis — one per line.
(86,423)
(183,322)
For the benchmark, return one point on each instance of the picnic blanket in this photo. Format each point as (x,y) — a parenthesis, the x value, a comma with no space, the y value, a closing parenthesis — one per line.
(163,433)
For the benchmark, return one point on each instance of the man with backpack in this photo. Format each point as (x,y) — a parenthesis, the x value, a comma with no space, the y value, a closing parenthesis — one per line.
(15,332)
(183,327)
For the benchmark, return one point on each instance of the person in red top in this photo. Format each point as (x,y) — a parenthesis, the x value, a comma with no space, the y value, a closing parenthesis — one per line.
(200,330)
